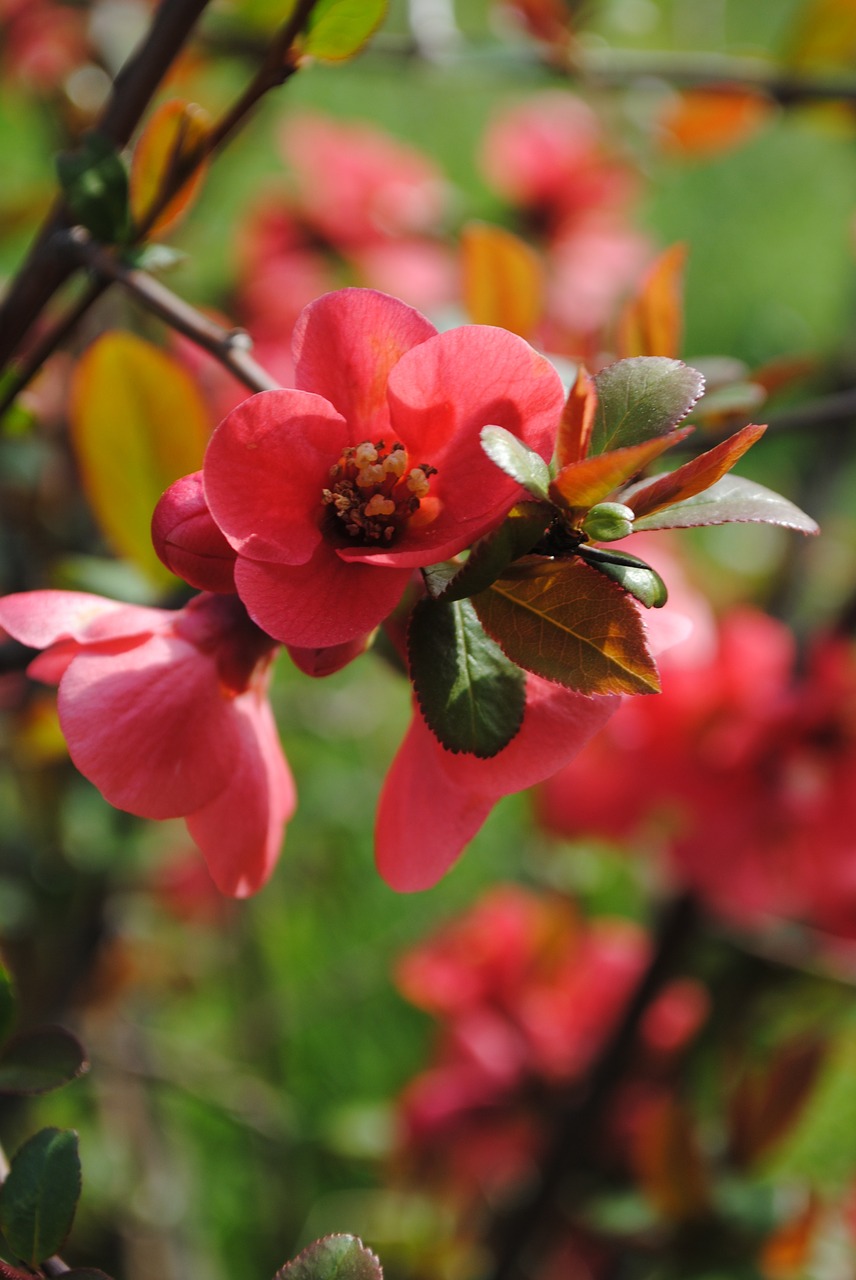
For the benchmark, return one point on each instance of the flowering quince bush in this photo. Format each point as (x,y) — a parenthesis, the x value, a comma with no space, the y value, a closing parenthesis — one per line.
(434,467)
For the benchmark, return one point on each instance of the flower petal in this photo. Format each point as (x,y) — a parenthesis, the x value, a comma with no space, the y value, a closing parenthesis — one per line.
(41,618)
(265,468)
(441,395)
(240,832)
(149,726)
(325,602)
(433,801)
(346,343)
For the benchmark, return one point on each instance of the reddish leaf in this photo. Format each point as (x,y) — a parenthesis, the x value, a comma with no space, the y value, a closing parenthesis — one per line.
(577,421)
(668,1160)
(695,476)
(138,422)
(172,144)
(568,623)
(768,1100)
(703,122)
(652,322)
(581,485)
(787,1251)
(502,279)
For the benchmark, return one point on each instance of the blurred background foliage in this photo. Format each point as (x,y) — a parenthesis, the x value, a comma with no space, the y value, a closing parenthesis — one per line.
(246,1054)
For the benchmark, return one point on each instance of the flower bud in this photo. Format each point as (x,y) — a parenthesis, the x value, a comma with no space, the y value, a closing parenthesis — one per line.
(325,661)
(188,541)
(608,521)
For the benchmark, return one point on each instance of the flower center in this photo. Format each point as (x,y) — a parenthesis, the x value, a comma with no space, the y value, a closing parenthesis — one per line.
(373,492)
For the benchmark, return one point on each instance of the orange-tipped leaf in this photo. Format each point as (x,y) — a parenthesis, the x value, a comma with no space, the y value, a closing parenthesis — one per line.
(695,476)
(580,485)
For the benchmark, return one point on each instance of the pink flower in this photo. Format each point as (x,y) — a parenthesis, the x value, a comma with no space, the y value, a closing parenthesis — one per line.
(356,185)
(547,154)
(742,771)
(332,493)
(165,712)
(434,801)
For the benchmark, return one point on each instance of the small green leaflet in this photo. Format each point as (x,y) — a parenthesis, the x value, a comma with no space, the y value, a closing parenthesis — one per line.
(40,1194)
(40,1059)
(471,696)
(517,460)
(333,1258)
(634,575)
(339,28)
(94,181)
(641,398)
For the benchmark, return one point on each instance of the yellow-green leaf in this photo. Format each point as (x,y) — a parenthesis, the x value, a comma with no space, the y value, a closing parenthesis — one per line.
(566,622)
(172,144)
(137,423)
(339,28)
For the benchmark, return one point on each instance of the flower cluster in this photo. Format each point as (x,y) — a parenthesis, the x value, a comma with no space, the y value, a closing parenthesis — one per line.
(525,994)
(740,772)
(405,480)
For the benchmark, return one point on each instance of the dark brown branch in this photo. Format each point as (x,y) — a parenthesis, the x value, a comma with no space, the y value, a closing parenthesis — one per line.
(47,268)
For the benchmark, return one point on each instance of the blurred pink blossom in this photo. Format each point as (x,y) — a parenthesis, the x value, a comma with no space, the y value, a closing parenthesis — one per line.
(742,770)
(166,713)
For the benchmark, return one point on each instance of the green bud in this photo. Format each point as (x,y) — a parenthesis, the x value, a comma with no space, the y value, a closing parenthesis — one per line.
(608,521)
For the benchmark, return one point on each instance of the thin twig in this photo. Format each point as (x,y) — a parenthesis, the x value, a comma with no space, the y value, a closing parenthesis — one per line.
(230,346)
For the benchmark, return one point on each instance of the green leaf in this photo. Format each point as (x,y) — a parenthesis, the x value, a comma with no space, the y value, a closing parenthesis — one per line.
(339,28)
(517,460)
(471,696)
(39,1060)
(7,1002)
(39,1196)
(731,499)
(492,554)
(641,398)
(632,574)
(566,622)
(94,181)
(333,1258)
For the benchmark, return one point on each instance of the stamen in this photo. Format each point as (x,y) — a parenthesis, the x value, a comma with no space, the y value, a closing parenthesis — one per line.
(372,493)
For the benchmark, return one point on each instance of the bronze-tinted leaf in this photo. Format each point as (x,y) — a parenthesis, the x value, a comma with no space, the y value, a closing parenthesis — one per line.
(577,421)
(581,485)
(695,476)
(171,146)
(563,620)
